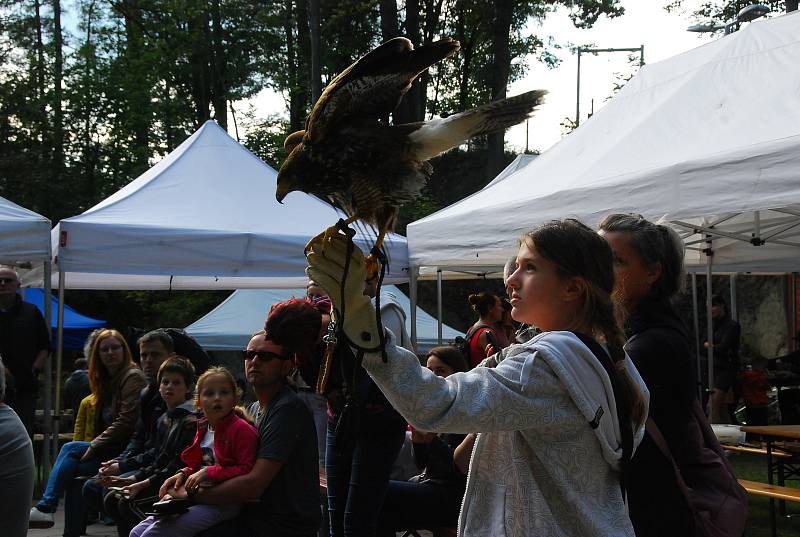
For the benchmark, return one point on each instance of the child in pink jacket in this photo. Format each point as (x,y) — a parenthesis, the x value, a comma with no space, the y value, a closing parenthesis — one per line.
(224,447)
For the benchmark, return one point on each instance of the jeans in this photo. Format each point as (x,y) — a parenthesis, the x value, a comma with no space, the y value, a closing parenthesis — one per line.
(195,520)
(62,481)
(357,482)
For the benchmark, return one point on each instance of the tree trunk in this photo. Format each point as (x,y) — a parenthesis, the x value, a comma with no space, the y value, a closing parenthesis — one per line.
(409,109)
(303,72)
(295,117)
(791,5)
(39,71)
(504,11)
(389,27)
(58,113)
(218,68)
(199,62)
(316,62)
(137,92)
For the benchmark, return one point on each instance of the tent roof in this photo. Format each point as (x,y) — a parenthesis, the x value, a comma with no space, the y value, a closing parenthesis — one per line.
(24,234)
(709,135)
(72,319)
(204,217)
(229,325)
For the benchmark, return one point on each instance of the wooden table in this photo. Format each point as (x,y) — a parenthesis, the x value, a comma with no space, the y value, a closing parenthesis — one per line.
(771,434)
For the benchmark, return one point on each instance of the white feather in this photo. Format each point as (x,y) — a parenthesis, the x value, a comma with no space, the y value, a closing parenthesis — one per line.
(440,134)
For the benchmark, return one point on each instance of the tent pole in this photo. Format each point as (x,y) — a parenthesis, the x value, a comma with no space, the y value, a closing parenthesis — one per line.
(59,356)
(439,304)
(696,319)
(734,309)
(48,375)
(793,315)
(709,320)
(412,293)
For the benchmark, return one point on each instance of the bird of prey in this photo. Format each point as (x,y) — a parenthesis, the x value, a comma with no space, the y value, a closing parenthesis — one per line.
(349,155)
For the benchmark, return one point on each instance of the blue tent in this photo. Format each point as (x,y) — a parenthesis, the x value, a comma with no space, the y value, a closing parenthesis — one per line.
(76,326)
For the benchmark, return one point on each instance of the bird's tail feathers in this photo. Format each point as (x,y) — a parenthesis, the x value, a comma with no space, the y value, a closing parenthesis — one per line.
(441,134)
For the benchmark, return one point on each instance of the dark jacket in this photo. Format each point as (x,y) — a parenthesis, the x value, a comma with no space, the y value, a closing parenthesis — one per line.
(176,427)
(23,334)
(76,387)
(659,345)
(436,461)
(123,406)
(727,334)
(144,446)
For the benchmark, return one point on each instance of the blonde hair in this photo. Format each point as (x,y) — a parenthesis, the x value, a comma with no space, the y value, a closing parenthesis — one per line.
(222,371)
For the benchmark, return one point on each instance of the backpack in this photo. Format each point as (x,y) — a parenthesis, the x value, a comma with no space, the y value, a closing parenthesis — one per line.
(718,503)
(463,343)
(716,499)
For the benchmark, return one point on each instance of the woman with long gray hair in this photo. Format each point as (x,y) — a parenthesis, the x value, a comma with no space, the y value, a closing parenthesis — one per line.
(649,272)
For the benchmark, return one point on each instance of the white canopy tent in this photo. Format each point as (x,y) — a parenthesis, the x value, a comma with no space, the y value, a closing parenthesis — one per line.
(25,244)
(204,217)
(707,141)
(24,235)
(230,325)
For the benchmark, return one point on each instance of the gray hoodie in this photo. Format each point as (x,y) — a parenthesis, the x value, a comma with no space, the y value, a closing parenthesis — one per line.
(538,466)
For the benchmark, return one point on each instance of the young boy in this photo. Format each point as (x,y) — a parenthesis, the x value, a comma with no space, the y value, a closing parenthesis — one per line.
(176,429)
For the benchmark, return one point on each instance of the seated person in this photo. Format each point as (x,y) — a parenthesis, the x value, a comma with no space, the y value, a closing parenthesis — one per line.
(17,471)
(433,498)
(285,477)
(143,447)
(224,447)
(133,495)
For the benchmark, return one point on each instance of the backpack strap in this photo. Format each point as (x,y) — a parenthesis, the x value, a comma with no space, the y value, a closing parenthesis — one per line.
(623,414)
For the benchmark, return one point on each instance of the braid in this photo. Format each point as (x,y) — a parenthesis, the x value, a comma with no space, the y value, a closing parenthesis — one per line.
(629,394)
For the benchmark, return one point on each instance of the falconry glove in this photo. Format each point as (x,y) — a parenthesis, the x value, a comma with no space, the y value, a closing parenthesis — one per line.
(327,258)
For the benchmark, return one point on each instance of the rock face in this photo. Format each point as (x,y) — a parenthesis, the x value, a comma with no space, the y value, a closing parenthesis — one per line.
(762,306)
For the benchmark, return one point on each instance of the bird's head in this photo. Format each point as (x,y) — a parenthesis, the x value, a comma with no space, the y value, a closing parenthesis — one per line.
(290,175)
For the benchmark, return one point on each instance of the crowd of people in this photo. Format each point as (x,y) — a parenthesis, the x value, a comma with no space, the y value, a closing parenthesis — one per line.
(533,425)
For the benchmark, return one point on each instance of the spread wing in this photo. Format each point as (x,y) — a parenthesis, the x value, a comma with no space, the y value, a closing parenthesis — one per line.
(373,86)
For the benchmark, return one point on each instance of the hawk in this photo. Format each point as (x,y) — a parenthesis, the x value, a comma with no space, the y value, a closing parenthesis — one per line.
(349,155)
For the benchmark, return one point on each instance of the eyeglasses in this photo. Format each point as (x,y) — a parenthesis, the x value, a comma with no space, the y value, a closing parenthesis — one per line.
(110,348)
(264,356)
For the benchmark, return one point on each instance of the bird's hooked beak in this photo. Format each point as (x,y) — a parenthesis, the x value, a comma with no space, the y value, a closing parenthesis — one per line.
(284,187)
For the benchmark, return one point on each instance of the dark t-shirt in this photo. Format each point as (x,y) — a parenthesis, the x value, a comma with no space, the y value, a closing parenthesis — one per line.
(290,504)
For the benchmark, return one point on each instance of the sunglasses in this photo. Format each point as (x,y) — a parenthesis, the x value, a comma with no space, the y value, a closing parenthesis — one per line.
(264,356)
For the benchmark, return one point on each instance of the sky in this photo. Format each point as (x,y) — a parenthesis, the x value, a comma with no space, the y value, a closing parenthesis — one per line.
(645,23)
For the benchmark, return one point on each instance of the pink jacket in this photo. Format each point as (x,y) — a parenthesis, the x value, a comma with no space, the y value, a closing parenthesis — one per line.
(235,443)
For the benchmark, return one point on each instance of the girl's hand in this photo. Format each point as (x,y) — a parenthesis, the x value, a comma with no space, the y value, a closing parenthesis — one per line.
(194,480)
(173,482)
(131,491)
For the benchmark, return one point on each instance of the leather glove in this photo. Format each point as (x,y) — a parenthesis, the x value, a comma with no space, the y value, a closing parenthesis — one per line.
(326,260)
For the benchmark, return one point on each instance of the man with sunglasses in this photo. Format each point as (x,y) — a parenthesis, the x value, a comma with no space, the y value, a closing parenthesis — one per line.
(24,346)
(285,477)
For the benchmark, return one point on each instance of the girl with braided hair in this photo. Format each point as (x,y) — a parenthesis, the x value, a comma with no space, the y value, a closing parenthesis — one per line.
(557,420)
(648,263)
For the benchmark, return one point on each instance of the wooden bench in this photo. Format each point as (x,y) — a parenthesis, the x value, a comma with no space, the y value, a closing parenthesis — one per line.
(62,437)
(771,491)
(777,453)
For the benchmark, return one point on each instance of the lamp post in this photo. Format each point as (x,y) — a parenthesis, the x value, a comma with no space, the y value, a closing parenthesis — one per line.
(746,14)
(639,49)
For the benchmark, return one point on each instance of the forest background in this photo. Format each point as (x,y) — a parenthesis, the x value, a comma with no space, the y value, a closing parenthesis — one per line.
(94,92)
